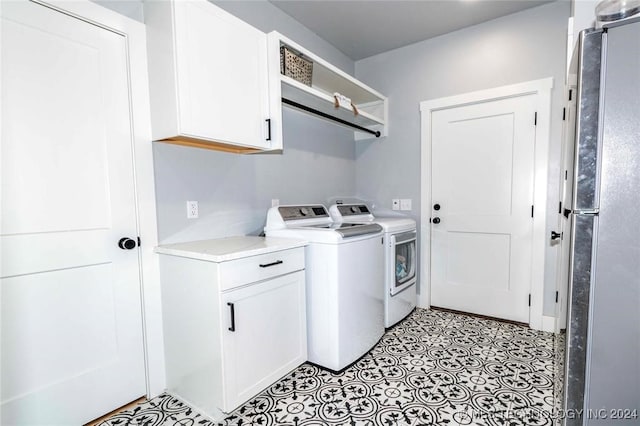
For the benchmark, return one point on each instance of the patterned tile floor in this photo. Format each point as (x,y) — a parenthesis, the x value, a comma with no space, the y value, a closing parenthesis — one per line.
(433,368)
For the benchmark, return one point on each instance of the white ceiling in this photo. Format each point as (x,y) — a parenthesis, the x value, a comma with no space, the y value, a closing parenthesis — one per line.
(362,28)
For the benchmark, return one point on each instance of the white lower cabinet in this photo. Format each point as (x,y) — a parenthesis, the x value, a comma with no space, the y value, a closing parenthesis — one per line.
(265,342)
(223,347)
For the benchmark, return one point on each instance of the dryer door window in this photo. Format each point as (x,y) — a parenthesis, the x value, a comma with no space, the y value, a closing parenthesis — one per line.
(405,261)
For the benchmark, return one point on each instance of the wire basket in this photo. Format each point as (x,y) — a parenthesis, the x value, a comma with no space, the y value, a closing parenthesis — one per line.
(293,65)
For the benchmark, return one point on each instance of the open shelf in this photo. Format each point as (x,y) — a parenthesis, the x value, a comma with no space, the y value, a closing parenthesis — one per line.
(326,80)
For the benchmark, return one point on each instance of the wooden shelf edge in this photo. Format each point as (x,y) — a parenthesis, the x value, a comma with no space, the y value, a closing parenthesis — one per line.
(206,144)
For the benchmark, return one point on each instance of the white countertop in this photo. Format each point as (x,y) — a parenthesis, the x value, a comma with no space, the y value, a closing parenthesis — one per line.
(231,248)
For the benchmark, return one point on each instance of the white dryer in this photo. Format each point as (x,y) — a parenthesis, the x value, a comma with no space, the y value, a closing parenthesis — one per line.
(401,257)
(344,274)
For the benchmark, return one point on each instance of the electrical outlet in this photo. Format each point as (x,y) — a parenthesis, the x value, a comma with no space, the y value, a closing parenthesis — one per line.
(192,209)
(395,204)
(275,202)
(405,204)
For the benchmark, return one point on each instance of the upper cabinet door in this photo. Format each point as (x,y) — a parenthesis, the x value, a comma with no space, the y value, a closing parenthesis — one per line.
(208,77)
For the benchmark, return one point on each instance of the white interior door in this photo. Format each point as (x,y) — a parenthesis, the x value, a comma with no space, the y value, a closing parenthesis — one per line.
(565,221)
(482,184)
(72,345)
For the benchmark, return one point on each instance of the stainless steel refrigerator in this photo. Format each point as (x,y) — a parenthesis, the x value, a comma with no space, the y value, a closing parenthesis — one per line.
(602,363)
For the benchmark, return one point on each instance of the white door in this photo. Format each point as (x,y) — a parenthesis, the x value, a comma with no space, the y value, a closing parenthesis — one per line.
(482,197)
(565,219)
(71,308)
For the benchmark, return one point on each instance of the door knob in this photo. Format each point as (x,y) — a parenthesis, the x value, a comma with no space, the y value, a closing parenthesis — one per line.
(555,235)
(436,207)
(436,220)
(127,243)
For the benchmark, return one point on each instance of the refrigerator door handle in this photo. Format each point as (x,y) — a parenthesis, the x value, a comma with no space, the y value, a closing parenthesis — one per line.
(587,212)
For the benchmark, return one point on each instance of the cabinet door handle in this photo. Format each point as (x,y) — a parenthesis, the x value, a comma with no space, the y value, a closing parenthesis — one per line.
(268,120)
(266,265)
(233,316)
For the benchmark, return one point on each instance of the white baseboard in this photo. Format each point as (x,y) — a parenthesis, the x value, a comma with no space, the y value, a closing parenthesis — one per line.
(548,324)
(423,302)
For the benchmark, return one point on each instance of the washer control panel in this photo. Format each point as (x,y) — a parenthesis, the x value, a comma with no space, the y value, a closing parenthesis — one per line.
(303,212)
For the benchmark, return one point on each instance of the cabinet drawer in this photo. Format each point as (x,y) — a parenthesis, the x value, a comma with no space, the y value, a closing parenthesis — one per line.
(256,268)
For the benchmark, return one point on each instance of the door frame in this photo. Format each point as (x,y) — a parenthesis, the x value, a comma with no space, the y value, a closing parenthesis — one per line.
(562,280)
(542,89)
(134,33)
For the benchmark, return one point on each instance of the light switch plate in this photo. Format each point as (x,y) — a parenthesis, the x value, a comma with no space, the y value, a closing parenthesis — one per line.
(405,204)
(395,204)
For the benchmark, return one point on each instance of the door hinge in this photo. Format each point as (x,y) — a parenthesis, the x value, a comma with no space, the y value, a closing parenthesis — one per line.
(535,119)
(556,297)
(570,93)
(532,211)
(529,299)
(564,114)
(566,174)
(139,242)
(560,208)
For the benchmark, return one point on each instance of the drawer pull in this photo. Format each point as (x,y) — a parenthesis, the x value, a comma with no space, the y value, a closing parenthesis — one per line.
(233,316)
(266,265)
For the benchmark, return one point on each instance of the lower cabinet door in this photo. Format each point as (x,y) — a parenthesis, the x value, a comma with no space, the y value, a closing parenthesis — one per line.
(264,335)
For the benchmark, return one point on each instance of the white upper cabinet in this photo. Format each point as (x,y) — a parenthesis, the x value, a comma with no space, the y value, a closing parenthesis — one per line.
(366,113)
(209,78)
(216,82)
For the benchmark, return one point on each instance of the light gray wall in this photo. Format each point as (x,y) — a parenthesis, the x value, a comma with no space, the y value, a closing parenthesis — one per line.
(526,46)
(130,8)
(584,15)
(234,191)
(266,17)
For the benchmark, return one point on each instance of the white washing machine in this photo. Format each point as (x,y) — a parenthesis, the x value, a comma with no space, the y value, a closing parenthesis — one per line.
(401,257)
(344,275)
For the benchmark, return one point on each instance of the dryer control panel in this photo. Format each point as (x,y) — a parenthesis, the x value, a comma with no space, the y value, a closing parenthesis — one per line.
(353,209)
